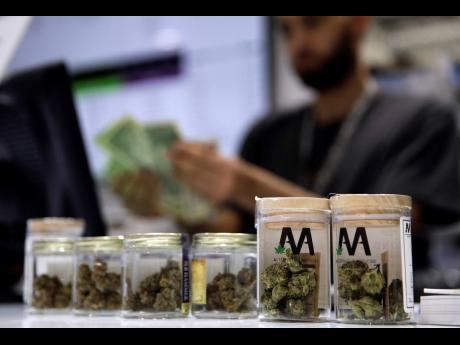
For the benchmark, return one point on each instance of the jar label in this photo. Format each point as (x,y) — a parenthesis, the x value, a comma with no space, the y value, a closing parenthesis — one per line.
(199,281)
(406,256)
(185,278)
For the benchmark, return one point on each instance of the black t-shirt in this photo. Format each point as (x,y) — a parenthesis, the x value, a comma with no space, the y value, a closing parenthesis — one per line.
(402,145)
(324,137)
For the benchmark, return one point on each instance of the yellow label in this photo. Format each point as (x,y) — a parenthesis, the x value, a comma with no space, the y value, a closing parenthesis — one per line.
(185,308)
(198,281)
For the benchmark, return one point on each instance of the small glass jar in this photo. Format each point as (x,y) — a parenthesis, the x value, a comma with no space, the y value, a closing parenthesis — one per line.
(155,276)
(372,258)
(294,259)
(223,275)
(97,288)
(51,274)
(42,229)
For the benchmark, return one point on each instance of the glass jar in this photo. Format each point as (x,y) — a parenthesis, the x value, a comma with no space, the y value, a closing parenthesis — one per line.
(97,288)
(223,275)
(372,258)
(46,228)
(50,278)
(294,258)
(155,276)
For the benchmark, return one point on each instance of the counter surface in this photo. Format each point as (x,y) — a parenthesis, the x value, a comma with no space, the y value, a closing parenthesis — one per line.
(14,316)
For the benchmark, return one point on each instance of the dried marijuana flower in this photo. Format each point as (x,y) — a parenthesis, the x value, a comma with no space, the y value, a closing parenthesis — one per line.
(288,285)
(362,289)
(158,292)
(50,293)
(395,292)
(230,293)
(97,289)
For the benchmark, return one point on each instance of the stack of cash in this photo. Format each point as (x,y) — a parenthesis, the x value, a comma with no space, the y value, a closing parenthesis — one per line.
(132,147)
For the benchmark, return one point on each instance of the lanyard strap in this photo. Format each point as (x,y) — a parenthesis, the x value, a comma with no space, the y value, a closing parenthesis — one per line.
(344,137)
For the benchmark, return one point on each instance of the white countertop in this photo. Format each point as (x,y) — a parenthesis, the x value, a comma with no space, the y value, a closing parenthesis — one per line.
(14,316)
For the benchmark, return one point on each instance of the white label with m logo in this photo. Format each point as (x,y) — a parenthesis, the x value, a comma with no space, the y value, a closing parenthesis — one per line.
(406,257)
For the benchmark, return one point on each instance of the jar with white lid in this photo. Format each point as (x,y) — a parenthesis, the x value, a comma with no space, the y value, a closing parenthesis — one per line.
(223,276)
(155,276)
(50,277)
(372,258)
(97,287)
(294,258)
(43,229)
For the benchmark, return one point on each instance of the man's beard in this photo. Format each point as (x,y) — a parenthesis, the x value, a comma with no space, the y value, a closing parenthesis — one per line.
(336,69)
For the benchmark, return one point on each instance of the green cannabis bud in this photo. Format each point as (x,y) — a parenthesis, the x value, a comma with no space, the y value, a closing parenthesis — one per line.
(302,284)
(373,282)
(50,293)
(395,294)
(279,292)
(97,289)
(232,293)
(296,307)
(276,274)
(287,286)
(366,308)
(362,289)
(158,292)
(293,262)
(350,274)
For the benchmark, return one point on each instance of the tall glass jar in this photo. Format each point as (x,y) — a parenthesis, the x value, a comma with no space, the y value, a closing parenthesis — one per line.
(294,258)
(97,288)
(372,258)
(46,228)
(223,273)
(51,272)
(155,276)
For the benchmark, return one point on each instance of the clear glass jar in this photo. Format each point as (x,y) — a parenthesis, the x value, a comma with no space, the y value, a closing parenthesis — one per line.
(97,288)
(42,229)
(294,258)
(51,272)
(155,276)
(372,258)
(223,275)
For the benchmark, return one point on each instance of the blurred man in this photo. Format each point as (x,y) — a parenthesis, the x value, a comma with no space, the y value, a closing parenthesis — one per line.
(354,138)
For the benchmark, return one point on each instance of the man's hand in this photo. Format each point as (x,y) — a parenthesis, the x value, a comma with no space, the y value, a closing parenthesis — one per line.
(201,168)
(220,179)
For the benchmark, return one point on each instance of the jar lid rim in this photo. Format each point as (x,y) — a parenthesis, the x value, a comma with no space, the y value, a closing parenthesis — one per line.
(100,243)
(54,224)
(341,201)
(53,246)
(293,203)
(225,239)
(147,240)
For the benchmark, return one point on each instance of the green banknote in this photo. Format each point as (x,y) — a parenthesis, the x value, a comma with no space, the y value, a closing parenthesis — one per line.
(131,146)
(126,142)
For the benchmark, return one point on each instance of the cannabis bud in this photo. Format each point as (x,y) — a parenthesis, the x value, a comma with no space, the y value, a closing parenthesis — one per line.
(233,294)
(362,287)
(98,289)
(50,293)
(158,292)
(395,294)
(373,281)
(287,287)
(366,308)
(350,274)
(276,274)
